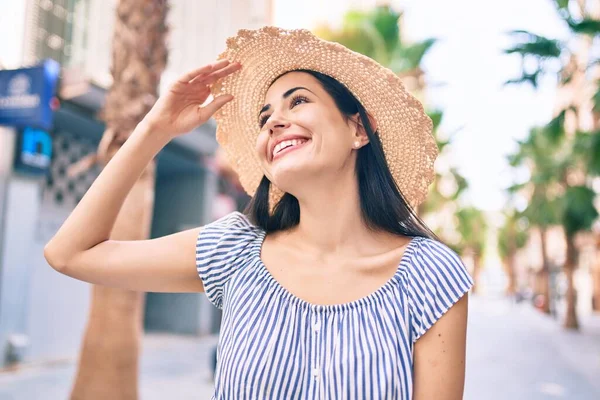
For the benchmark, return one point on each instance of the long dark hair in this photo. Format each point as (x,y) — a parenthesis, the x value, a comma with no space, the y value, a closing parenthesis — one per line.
(382,205)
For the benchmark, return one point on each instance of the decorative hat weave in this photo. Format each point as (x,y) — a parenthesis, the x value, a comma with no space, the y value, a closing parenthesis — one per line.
(403,127)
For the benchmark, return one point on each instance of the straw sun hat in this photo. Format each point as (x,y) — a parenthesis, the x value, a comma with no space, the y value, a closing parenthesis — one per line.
(403,127)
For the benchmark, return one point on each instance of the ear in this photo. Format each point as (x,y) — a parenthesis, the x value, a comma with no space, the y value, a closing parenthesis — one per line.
(361,133)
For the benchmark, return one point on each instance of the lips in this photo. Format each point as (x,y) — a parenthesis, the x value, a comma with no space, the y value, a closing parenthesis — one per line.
(286,144)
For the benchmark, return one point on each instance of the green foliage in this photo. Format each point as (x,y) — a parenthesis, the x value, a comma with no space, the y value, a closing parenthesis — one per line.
(529,45)
(596,98)
(555,129)
(593,165)
(532,44)
(407,58)
(385,20)
(472,226)
(586,149)
(436,117)
(545,159)
(587,26)
(579,212)
(514,234)
(525,77)
(376,34)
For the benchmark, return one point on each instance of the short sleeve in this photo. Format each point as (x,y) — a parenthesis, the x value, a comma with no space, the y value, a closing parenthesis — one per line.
(219,249)
(437,279)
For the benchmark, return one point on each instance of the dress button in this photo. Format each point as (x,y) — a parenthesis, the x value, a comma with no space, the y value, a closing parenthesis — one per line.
(315,372)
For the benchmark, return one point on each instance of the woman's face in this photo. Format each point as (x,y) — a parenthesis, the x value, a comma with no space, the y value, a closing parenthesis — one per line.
(303,134)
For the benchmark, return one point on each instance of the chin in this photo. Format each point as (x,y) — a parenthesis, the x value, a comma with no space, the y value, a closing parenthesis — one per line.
(287,176)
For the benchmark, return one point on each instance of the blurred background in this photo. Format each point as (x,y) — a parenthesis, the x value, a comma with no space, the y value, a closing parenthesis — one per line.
(513,88)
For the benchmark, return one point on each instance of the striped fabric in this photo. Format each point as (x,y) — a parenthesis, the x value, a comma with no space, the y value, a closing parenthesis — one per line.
(274,345)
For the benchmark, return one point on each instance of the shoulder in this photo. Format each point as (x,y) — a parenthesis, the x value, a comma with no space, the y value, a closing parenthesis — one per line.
(221,249)
(433,267)
(234,220)
(231,232)
(430,254)
(233,225)
(436,279)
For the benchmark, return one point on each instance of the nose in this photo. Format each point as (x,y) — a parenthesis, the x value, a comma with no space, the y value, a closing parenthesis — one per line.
(276,123)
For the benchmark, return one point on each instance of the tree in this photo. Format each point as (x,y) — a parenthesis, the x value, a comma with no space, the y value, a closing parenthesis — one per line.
(377,34)
(472,226)
(108,364)
(546,165)
(569,63)
(454,184)
(512,237)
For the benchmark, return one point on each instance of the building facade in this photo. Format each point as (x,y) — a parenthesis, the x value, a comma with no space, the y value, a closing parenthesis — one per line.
(43,313)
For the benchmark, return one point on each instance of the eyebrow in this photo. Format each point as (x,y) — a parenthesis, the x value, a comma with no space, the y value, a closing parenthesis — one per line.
(284,96)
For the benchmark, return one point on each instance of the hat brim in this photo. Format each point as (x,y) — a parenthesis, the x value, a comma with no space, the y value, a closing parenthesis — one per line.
(404,129)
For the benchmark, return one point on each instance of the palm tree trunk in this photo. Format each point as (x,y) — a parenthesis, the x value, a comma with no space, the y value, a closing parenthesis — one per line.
(545,272)
(511,288)
(596,278)
(596,287)
(476,272)
(108,364)
(571,321)
(510,266)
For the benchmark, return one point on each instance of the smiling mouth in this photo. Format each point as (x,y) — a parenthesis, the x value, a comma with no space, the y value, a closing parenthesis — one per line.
(287,146)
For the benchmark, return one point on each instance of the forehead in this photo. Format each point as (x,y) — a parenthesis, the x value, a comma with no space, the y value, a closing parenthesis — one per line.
(291,80)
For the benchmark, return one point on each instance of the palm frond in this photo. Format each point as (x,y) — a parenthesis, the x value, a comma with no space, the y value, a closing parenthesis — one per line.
(407,58)
(385,19)
(587,26)
(531,79)
(579,210)
(531,44)
(562,6)
(555,129)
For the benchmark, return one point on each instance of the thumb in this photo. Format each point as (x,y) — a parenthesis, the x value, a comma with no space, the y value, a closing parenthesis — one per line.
(217,103)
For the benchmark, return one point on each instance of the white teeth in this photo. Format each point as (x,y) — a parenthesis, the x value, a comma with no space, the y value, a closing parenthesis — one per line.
(286,143)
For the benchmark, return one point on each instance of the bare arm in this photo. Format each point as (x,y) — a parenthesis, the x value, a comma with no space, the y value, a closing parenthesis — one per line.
(439,359)
(82,247)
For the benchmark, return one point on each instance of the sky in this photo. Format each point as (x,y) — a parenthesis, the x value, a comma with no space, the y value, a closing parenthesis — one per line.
(465,72)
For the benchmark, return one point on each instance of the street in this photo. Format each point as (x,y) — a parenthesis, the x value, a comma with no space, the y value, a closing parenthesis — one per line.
(514,352)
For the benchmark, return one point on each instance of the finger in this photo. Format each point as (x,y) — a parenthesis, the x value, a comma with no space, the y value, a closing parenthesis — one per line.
(187,77)
(218,74)
(216,104)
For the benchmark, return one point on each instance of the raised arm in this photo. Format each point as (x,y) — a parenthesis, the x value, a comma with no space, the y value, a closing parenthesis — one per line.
(82,247)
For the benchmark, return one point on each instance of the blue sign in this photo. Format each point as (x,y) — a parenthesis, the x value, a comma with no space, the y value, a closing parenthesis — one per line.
(34,151)
(26,95)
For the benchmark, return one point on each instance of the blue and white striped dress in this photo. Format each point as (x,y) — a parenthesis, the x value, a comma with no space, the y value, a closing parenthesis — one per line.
(273,345)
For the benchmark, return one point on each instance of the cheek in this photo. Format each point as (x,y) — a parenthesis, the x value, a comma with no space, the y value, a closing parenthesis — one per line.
(261,144)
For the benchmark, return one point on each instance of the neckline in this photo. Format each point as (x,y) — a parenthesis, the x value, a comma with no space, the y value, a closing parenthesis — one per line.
(332,307)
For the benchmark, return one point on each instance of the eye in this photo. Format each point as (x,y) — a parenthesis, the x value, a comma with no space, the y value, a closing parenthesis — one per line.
(294,101)
(298,99)
(263,120)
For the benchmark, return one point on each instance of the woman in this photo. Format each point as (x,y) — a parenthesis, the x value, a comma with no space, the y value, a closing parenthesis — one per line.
(331,286)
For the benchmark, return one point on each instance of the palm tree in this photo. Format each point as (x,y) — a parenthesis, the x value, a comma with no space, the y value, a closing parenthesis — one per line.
(570,65)
(108,364)
(377,34)
(546,165)
(512,237)
(454,183)
(472,226)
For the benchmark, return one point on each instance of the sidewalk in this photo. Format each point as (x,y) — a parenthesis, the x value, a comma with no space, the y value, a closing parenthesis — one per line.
(513,353)
(172,367)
